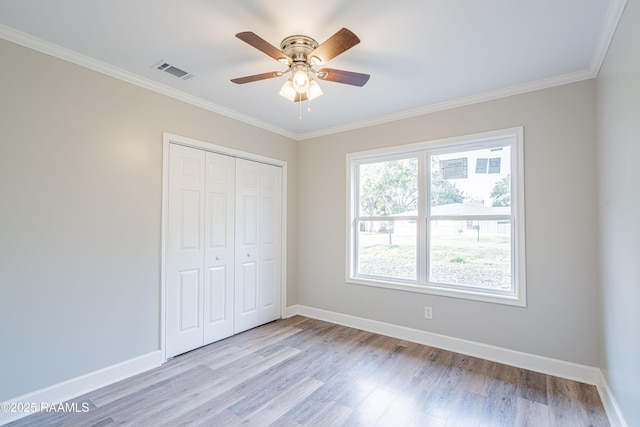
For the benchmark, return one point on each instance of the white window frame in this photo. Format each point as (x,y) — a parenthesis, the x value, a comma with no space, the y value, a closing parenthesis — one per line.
(513,137)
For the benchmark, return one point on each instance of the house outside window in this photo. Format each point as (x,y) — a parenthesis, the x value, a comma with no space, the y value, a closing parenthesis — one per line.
(442,217)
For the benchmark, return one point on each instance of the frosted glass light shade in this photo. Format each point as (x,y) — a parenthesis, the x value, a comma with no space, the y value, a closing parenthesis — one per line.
(287,91)
(314,90)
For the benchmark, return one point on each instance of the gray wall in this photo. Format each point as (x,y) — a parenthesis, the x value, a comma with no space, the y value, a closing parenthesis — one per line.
(561,319)
(619,207)
(80,214)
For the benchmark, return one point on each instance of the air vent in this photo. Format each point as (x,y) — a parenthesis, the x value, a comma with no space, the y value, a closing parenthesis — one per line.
(174,71)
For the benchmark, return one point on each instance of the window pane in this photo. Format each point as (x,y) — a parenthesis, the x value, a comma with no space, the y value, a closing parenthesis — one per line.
(471,253)
(389,188)
(387,249)
(472,182)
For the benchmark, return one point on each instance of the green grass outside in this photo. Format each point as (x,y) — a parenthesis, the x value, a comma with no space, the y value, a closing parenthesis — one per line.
(455,259)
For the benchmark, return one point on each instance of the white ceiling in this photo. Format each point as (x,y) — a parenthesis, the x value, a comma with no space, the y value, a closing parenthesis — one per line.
(422,55)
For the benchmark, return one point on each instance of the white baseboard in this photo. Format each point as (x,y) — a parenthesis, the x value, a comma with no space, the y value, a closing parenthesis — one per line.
(616,419)
(78,386)
(558,368)
(292,310)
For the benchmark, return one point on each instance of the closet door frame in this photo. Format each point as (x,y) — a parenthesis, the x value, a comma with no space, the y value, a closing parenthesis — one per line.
(167,139)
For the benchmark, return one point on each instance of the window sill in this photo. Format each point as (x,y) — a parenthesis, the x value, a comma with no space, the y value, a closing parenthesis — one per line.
(468,294)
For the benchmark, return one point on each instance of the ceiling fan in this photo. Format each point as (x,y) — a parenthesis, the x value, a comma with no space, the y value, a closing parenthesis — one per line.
(301,54)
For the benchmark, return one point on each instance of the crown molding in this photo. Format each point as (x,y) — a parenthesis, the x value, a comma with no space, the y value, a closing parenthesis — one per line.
(68,55)
(611,20)
(458,102)
(614,13)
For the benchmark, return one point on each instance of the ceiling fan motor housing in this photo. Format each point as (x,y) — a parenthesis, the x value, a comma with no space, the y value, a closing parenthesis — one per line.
(298,48)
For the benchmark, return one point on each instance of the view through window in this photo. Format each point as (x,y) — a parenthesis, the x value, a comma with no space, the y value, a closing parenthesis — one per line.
(442,218)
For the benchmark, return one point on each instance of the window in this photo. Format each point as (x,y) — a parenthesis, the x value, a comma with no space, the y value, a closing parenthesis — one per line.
(443,217)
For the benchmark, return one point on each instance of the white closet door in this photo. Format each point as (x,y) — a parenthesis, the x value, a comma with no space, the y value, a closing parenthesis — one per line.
(270,243)
(247,314)
(185,249)
(219,247)
(224,245)
(258,244)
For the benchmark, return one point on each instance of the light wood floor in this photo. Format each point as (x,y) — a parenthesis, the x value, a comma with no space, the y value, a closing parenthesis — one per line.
(301,371)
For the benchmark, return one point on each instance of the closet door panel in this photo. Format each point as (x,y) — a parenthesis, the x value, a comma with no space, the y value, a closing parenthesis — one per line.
(270,243)
(219,247)
(249,297)
(216,292)
(189,300)
(185,249)
(247,314)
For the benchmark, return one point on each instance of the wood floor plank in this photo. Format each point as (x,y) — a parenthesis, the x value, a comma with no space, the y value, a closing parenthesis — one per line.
(324,396)
(479,376)
(198,410)
(356,383)
(181,402)
(333,414)
(533,386)
(531,414)
(448,387)
(500,409)
(224,355)
(400,366)
(225,418)
(246,369)
(468,410)
(306,372)
(564,402)
(435,365)
(592,404)
(403,411)
(279,403)
(371,408)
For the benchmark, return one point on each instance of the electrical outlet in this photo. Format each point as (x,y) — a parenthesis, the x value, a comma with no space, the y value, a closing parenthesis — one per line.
(428,313)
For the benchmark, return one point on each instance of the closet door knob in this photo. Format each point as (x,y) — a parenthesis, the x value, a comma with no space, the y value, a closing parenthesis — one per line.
(217,258)
(249,255)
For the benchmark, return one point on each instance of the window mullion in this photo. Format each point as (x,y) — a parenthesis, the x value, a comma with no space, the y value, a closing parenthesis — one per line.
(355,213)
(422,224)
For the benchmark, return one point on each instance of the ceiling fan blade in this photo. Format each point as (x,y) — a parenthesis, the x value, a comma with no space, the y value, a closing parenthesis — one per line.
(261,44)
(346,77)
(256,77)
(335,45)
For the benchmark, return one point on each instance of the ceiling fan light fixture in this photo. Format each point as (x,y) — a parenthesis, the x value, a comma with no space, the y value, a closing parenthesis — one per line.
(287,91)
(300,79)
(314,90)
